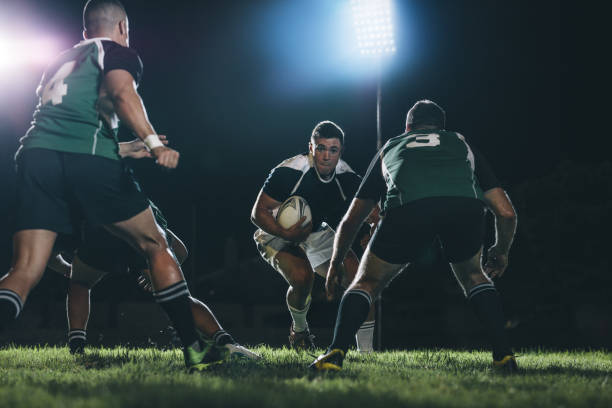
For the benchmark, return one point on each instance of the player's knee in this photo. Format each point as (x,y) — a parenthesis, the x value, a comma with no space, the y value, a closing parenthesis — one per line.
(370,284)
(153,245)
(302,279)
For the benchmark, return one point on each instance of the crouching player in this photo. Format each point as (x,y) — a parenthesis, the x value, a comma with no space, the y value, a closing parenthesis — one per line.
(100,254)
(297,253)
(431,184)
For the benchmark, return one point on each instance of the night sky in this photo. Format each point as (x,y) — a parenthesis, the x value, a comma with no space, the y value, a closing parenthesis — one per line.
(238,85)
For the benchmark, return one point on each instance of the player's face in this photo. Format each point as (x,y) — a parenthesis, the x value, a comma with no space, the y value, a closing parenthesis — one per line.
(326,153)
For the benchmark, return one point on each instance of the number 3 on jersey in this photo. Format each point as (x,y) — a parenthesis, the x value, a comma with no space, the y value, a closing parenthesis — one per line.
(431,139)
(55,89)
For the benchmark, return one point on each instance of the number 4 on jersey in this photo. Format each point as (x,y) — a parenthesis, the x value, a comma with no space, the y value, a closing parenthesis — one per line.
(55,89)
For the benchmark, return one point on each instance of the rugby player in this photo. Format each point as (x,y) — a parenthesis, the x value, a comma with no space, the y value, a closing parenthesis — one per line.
(297,253)
(99,254)
(432,184)
(68,169)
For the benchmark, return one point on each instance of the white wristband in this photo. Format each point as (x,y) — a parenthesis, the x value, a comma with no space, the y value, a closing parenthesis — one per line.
(152,141)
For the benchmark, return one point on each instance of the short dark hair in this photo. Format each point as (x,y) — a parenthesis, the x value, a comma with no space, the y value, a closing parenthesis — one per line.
(328,130)
(426,112)
(97,14)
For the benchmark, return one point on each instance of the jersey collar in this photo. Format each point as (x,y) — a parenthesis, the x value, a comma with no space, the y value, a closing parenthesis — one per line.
(90,40)
(321,179)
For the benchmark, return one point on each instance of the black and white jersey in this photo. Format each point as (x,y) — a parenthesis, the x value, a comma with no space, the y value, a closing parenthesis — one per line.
(328,199)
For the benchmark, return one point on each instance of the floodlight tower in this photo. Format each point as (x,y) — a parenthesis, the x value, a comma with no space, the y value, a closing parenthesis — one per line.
(373,24)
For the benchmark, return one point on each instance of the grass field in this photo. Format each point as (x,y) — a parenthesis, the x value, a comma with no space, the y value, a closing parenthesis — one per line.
(51,377)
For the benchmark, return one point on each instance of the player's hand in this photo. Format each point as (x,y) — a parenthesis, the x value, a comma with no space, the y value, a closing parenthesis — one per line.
(333,282)
(297,232)
(136,149)
(166,157)
(496,264)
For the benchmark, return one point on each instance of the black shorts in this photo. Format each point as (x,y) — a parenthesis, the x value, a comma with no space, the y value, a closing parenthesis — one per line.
(57,190)
(104,251)
(405,232)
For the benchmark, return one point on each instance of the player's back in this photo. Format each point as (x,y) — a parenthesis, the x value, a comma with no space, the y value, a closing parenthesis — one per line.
(67,117)
(428,163)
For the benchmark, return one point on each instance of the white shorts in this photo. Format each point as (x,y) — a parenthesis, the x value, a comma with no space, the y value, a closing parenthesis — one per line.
(318,246)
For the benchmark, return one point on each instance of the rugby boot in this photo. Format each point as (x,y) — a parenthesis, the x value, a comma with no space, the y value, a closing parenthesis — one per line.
(202,355)
(506,365)
(76,346)
(301,340)
(330,361)
(238,351)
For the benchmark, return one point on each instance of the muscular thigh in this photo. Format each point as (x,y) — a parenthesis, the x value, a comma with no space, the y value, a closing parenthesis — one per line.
(291,262)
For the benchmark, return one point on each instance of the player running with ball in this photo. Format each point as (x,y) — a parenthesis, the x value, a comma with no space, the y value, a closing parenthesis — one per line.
(431,184)
(326,183)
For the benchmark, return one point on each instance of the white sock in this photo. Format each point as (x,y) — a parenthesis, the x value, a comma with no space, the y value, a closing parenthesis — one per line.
(365,337)
(299,316)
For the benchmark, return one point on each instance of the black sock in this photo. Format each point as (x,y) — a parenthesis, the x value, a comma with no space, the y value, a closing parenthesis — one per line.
(486,303)
(77,338)
(352,312)
(221,338)
(10,307)
(175,301)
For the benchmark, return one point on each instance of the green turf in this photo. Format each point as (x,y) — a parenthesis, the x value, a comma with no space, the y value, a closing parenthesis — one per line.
(51,377)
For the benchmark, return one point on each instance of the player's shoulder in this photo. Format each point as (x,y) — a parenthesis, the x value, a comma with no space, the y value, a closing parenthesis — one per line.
(343,168)
(394,140)
(451,134)
(118,51)
(299,162)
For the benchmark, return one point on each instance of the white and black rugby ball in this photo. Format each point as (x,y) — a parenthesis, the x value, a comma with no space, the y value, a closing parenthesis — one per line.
(290,212)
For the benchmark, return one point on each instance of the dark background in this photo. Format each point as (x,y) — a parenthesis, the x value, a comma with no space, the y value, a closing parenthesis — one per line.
(238,86)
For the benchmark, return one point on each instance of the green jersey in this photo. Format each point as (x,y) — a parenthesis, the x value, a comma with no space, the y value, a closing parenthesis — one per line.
(71,116)
(426,163)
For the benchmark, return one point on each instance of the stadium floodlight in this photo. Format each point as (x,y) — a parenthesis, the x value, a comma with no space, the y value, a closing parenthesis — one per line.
(17,53)
(372,20)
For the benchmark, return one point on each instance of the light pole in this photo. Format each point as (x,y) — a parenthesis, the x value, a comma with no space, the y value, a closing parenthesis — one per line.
(372,20)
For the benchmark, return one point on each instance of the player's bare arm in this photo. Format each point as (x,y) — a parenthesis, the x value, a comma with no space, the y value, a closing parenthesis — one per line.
(357,213)
(262,216)
(505,226)
(119,87)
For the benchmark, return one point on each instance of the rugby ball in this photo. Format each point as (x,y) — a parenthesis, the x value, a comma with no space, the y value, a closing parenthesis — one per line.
(294,208)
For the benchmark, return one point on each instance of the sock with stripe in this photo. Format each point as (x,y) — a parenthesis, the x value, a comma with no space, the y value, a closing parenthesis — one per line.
(299,316)
(175,301)
(353,310)
(221,338)
(10,307)
(77,338)
(487,306)
(365,337)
